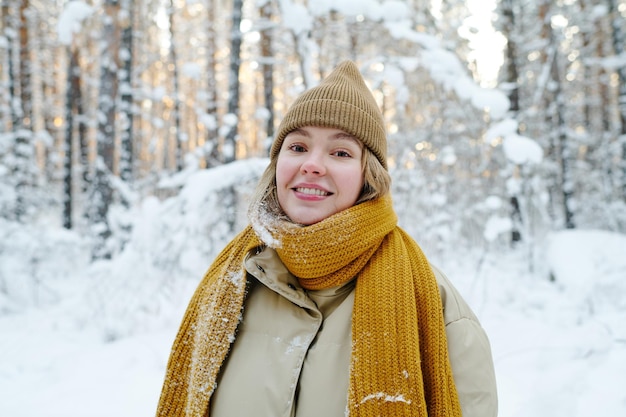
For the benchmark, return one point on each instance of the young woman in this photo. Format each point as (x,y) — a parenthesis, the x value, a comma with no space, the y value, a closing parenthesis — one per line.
(323,306)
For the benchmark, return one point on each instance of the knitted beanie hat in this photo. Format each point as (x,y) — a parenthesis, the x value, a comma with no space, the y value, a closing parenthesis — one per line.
(342,101)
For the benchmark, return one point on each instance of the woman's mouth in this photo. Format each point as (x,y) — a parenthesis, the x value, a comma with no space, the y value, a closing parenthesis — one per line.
(312,191)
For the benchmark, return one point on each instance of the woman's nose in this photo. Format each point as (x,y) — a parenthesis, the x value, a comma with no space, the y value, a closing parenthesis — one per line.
(313,164)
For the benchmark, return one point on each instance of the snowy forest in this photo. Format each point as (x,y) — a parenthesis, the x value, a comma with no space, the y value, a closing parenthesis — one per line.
(133,132)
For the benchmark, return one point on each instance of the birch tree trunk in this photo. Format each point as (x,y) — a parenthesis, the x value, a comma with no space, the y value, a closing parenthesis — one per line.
(101,194)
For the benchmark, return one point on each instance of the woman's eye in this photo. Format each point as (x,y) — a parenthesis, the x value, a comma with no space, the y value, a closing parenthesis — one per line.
(343,154)
(296,148)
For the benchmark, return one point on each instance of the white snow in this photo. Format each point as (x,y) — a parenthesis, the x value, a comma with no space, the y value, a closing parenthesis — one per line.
(298,344)
(71,19)
(385,397)
(444,66)
(295,17)
(598,275)
(192,70)
(504,127)
(522,150)
(518,149)
(496,225)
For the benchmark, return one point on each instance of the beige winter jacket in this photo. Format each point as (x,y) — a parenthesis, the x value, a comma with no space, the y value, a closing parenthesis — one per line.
(291,355)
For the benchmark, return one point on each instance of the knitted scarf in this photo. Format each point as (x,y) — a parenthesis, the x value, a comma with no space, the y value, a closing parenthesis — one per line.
(399,364)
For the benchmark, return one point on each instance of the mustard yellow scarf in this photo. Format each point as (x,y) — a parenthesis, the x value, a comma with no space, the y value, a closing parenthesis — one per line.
(400,364)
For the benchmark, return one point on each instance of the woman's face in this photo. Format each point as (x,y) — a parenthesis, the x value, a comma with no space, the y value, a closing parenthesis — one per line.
(318,173)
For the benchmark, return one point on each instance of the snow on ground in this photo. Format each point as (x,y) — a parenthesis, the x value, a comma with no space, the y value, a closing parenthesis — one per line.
(560,346)
(557,333)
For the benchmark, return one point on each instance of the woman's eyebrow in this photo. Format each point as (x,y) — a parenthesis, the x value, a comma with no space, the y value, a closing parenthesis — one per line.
(337,136)
(299,131)
(344,135)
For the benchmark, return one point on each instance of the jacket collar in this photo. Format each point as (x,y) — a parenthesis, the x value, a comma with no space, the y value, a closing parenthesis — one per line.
(265,265)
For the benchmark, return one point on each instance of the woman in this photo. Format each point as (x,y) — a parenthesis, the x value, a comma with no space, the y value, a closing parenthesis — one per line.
(323,306)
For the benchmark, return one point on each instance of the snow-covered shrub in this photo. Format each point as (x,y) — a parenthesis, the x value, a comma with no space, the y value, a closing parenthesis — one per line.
(34,259)
(172,243)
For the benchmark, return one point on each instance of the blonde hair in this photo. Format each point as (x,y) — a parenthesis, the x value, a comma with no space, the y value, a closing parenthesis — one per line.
(376,183)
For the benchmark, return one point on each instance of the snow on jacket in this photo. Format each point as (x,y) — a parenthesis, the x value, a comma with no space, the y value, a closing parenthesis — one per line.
(291,356)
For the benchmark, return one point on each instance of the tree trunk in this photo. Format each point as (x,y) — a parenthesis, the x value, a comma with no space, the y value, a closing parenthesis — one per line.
(561,140)
(301,41)
(268,66)
(83,143)
(22,124)
(25,67)
(601,105)
(126,84)
(6,63)
(178,146)
(101,194)
(213,157)
(561,189)
(71,102)
(617,23)
(512,81)
(230,142)
(108,85)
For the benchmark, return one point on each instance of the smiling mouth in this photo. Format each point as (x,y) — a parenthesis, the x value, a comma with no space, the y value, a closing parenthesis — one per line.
(312,191)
